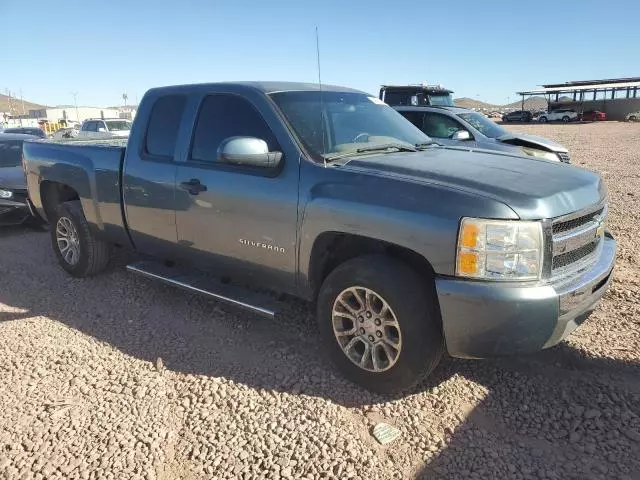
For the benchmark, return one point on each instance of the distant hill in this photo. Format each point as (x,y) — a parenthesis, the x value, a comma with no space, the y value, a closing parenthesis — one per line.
(465,102)
(531,103)
(16,105)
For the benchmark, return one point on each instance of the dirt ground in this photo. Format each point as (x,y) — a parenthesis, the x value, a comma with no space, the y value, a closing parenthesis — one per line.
(117,377)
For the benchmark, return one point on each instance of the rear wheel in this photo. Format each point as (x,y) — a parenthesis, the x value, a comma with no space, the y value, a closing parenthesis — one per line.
(633,118)
(79,252)
(380,324)
(565,119)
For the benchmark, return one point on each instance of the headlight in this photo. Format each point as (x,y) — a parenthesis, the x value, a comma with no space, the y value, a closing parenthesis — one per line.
(534,152)
(499,250)
(6,194)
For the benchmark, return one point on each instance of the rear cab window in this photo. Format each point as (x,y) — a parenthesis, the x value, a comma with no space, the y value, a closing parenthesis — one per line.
(164,123)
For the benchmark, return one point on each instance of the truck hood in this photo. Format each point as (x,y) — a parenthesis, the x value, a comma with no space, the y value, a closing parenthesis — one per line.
(12,178)
(525,140)
(532,188)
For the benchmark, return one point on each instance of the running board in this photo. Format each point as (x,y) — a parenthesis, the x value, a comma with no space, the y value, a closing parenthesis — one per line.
(234,295)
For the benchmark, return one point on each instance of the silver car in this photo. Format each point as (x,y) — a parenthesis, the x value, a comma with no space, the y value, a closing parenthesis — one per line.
(461,127)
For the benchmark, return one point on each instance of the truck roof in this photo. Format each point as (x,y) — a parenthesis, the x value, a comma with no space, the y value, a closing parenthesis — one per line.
(265,87)
(417,88)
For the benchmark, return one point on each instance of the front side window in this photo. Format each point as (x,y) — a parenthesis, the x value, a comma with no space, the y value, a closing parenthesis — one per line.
(10,153)
(89,127)
(164,122)
(223,116)
(440,126)
(336,123)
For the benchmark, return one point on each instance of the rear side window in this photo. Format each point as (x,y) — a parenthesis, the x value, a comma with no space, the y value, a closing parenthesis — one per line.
(414,117)
(223,116)
(164,123)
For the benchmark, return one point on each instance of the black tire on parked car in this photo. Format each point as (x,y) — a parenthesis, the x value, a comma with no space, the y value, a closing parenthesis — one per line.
(79,252)
(565,119)
(632,118)
(380,323)
(542,120)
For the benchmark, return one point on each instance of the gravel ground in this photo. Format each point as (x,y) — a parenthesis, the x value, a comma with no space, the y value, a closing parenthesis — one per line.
(118,377)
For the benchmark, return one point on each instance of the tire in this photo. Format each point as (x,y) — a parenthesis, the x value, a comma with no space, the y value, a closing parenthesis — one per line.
(411,301)
(632,118)
(565,119)
(542,120)
(91,254)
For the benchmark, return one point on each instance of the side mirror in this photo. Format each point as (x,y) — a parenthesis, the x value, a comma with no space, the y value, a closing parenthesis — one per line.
(249,151)
(461,135)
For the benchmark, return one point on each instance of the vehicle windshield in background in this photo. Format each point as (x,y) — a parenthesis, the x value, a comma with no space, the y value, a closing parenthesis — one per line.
(25,131)
(118,125)
(10,153)
(484,125)
(441,100)
(347,122)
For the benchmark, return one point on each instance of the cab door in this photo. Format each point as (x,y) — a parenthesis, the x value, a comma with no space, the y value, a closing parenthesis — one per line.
(232,219)
(150,175)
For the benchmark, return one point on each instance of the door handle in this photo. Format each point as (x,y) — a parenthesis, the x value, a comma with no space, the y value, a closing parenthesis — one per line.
(193,186)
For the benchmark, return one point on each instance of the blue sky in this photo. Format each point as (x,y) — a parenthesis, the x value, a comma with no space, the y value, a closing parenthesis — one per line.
(484,50)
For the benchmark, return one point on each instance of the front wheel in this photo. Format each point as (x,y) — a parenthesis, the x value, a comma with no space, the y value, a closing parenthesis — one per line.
(565,119)
(632,118)
(380,324)
(79,252)
(542,120)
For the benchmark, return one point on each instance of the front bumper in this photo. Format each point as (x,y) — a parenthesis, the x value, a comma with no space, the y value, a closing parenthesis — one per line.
(13,213)
(487,319)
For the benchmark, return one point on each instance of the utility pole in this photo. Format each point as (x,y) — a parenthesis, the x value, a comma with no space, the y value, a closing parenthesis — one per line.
(75,101)
(22,100)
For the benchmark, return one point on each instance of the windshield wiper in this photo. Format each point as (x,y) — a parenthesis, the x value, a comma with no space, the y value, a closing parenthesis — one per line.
(382,147)
(422,145)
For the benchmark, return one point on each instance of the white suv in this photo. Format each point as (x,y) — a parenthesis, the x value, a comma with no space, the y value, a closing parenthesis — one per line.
(105,127)
(565,115)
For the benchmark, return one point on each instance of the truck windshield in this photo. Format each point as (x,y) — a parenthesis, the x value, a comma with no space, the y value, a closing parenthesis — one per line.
(347,122)
(441,100)
(118,125)
(487,127)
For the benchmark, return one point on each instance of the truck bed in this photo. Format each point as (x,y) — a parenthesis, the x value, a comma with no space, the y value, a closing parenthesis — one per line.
(90,167)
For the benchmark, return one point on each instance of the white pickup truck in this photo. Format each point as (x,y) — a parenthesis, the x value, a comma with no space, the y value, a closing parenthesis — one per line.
(565,115)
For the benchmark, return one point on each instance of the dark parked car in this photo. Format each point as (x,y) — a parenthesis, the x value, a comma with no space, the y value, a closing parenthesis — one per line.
(35,131)
(13,186)
(593,116)
(518,116)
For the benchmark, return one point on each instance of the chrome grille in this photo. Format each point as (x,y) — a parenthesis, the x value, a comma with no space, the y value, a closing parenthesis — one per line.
(564,157)
(559,227)
(573,256)
(576,240)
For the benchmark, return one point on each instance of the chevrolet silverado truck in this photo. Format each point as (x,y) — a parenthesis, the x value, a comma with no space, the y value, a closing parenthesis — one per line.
(406,248)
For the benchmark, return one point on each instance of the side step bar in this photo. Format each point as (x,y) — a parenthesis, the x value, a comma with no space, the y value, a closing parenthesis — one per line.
(201,284)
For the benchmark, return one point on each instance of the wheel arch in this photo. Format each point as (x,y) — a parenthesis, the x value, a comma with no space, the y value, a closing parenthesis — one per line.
(333,248)
(53,193)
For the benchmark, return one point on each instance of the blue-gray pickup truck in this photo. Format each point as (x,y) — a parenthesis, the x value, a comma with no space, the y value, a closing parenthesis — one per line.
(407,249)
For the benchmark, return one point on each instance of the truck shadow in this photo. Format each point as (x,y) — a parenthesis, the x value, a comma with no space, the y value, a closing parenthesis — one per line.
(556,414)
